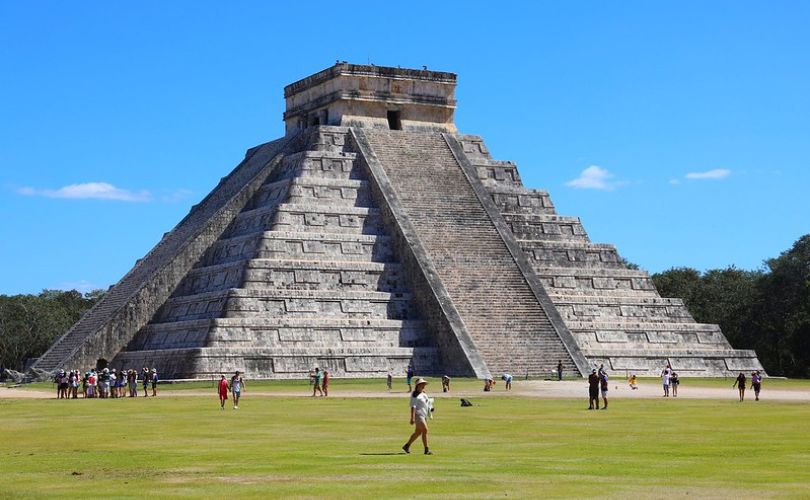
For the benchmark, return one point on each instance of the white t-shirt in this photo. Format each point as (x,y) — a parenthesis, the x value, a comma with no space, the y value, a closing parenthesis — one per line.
(667,373)
(422,405)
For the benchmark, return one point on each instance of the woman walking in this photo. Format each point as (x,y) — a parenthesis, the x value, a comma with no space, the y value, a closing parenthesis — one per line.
(740,383)
(223,392)
(420,412)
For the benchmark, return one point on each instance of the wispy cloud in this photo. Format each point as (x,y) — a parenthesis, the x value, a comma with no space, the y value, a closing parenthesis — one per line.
(717,173)
(595,177)
(674,182)
(176,195)
(89,191)
(82,286)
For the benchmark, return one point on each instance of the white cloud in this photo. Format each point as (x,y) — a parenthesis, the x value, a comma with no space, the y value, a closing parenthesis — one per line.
(89,190)
(717,173)
(674,182)
(594,177)
(82,286)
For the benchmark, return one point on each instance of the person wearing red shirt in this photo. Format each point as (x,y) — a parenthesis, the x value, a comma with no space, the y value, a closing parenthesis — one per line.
(223,392)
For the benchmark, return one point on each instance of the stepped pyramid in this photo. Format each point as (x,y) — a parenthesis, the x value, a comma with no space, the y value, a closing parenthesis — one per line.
(371,236)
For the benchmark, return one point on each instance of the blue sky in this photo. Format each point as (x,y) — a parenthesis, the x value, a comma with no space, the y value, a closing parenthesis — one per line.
(676,130)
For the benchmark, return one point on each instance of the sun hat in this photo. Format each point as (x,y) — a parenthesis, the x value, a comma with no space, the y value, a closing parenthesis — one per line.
(420,380)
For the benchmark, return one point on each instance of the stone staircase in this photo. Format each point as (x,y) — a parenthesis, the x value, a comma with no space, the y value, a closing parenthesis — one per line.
(496,304)
(306,275)
(615,314)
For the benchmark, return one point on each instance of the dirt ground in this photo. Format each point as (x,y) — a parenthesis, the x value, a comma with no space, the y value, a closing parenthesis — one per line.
(530,388)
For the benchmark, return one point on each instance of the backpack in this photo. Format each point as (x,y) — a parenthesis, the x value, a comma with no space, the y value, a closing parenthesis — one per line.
(465,402)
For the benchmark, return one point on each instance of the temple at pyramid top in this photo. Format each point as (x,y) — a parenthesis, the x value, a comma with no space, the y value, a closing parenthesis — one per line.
(354,95)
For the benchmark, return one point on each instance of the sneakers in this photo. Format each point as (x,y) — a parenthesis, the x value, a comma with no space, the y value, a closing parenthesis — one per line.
(428,452)
(406,448)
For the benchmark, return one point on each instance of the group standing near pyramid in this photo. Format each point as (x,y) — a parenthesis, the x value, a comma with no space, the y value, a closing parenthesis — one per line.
(374,236)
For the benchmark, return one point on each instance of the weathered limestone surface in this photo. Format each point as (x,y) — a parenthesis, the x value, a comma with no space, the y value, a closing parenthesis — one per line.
(615,314)
(360,249)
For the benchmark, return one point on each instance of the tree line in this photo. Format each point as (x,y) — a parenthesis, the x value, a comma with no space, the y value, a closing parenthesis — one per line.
(30,323)
(767,310)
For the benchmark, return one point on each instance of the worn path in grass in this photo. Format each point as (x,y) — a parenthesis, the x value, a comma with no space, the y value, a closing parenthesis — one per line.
(717,389)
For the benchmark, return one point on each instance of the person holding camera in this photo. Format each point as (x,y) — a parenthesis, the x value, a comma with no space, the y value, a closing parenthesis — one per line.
(421,408)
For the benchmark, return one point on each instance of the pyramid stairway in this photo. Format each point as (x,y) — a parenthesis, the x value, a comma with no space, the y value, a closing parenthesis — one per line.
(305,275)
(509,326)
(615,314)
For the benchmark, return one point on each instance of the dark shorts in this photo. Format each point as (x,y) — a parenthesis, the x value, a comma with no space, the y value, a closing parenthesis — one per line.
(757,387)
(593,392)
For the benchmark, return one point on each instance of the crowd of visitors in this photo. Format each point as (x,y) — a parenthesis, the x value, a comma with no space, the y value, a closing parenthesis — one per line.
(105,383)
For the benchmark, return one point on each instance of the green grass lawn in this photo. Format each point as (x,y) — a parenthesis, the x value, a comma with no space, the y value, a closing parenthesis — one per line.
(349,448)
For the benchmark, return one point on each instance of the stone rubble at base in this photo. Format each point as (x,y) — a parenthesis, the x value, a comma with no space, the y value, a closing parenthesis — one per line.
(360,249)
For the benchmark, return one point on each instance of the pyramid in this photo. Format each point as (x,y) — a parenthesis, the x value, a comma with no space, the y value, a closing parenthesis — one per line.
(373,236)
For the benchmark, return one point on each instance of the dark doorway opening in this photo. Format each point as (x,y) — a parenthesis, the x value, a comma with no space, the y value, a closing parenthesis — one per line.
(101,364)
(394,122)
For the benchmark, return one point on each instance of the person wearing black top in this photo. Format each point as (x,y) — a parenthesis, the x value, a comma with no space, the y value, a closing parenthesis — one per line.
(593,390)
(559,370)
(740,383)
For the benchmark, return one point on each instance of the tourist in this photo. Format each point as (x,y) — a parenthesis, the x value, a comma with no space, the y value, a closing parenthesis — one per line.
(409,375)
(488,383)
(633,381)
(223,392)
(665,378)
(325,383)
(559,370)
(603,381)
(113,384)
(674,382)
(756,383)
(74,384)
(92,380)
(132,379)
(593,390)
(122,383)
(145,381)
(389,380)
(104,383)
(84,385)
(740,384)
(420,412)
(601,370)
(154,379)
(316,382)
(63,384)
(445,383)
(507,378)
(236,386)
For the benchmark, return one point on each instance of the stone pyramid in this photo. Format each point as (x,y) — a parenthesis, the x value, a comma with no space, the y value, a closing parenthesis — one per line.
(373,236)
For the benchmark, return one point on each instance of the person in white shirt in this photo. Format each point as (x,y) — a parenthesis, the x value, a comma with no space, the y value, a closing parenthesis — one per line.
(420,413)
(665,376)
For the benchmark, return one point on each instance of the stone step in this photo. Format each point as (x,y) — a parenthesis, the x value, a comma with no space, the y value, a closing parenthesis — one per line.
(596,281)
(324,275)
(308,303)
(328,218)
(282,332)
(322,164)
(699,363)
(274,363)
(575,308)
(303,245)
(239,302)
(545,227)
(519,200)
(568,253)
